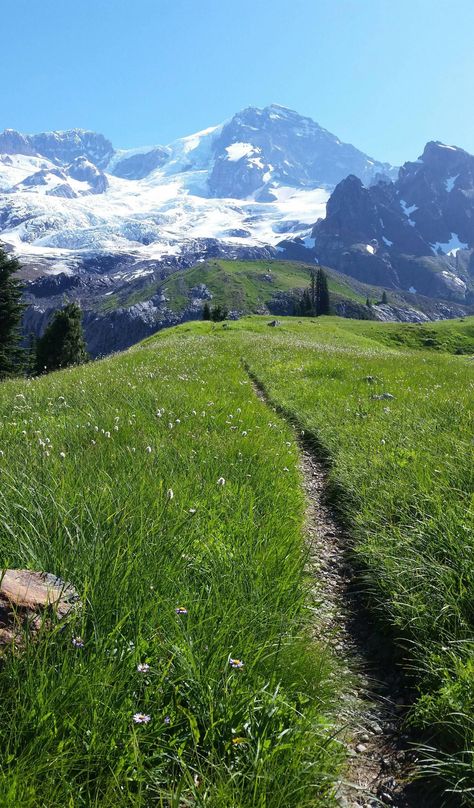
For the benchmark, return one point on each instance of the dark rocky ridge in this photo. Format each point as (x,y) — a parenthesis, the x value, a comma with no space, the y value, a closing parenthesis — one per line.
(416,233)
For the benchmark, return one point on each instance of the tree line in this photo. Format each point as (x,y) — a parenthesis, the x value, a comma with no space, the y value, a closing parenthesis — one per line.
(315,300)
(62,343)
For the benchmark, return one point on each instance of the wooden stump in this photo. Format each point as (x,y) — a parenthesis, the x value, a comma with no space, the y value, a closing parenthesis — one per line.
(30,600)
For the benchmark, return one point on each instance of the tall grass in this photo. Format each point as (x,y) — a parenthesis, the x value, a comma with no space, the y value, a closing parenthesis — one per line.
(110,479)
(402,475)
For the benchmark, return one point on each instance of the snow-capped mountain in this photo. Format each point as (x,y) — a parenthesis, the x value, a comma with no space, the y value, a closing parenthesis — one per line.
(262,176)
(109,226)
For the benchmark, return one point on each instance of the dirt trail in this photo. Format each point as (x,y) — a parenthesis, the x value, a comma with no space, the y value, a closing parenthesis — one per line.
(380,758)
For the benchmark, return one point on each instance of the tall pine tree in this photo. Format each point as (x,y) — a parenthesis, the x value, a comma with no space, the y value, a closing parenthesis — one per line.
(323,304)
(11,310)
(62,343)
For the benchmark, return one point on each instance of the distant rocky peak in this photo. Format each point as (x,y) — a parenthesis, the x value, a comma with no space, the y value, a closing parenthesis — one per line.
(59,147)
(13,142)
(438,164)
(64,147)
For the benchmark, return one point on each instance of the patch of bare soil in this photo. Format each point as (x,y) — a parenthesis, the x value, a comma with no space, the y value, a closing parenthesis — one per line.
(380,759)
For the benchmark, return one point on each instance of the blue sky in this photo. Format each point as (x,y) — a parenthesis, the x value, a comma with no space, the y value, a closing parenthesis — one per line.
(385,75)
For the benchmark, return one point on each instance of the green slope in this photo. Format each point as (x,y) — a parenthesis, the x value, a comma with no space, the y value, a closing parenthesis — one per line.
(88,459)
(245,286)
(250,287)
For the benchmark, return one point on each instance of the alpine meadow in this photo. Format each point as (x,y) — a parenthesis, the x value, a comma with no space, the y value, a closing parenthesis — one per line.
(237,404)
(197,670)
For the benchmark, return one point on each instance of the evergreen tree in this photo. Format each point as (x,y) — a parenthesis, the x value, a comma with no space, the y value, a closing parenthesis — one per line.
(384,298)
(30,364)
(11,310)
(322,293)
(302,308)
(368,303)
(313,294)
(206,311)
(218,313)
(62,343)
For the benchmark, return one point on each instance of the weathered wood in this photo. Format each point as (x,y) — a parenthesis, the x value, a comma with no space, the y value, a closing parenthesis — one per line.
(30,600)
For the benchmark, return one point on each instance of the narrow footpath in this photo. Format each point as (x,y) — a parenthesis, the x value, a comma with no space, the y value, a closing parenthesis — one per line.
(381,761)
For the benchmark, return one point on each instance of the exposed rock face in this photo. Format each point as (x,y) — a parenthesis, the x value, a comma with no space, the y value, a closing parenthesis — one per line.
(441,186)
(84,171)
(59,147)
(416,233)
(13,142)
(265,148)
(64,147)
(138,166)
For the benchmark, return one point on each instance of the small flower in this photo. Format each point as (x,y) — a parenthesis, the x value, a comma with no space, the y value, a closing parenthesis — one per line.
(77,642)
(148,449)
(181,610)
(192,510)
(62,454)
(236,663)
(167,719)
(107,434)
(141,718)
(221,481)
(244,434)
(143,667)
(237,741)
(169,493)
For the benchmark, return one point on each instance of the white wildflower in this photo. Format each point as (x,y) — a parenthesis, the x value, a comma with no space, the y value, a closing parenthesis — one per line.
(141,718)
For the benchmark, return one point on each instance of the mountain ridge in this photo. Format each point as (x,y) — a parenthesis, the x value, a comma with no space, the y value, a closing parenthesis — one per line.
(265,184)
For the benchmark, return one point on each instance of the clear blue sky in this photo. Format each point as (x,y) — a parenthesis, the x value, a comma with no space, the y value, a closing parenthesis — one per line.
(386,75)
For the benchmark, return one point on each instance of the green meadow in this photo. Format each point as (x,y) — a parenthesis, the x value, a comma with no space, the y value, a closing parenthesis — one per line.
(169,495)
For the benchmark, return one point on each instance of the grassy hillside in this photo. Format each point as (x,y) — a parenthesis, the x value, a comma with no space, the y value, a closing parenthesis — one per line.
(402,478)
(242,285)
(112,477)
(248,286)
(448,336)
(155,480)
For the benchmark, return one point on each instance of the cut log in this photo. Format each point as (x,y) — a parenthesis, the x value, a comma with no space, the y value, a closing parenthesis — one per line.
(30,600)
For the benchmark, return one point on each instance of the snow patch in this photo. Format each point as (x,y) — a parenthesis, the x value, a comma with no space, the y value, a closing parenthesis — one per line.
(450,247)
(450,183)
(238,150)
